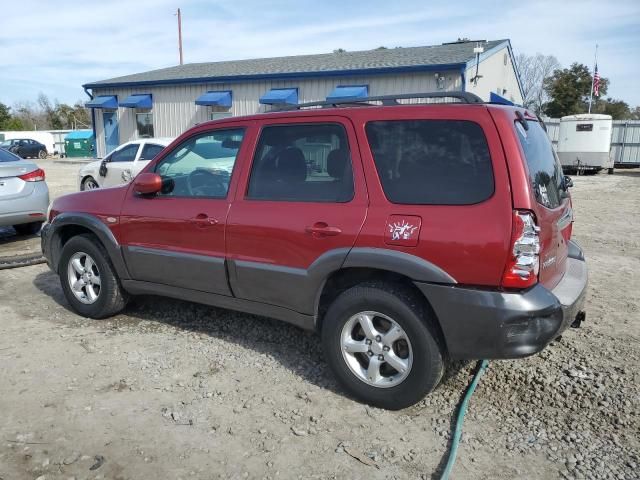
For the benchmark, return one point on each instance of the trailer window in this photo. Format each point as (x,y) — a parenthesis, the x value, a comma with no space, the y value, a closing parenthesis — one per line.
(545,172)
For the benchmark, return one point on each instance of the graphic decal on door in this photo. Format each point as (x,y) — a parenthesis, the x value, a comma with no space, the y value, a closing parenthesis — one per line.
(403,230)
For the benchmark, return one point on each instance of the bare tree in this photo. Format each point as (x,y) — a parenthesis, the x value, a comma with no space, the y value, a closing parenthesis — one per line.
(534,69)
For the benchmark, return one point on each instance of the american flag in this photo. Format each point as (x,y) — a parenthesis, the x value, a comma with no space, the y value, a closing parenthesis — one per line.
(596,82)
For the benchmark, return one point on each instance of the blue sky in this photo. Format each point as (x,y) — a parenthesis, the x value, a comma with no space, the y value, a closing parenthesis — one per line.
(56,46)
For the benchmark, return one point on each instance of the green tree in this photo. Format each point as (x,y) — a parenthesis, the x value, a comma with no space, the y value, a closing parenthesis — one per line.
(569,90)
(14,124)
(5,116)
(618,109)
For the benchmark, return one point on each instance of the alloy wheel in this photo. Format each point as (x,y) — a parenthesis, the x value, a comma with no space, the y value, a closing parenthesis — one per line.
(84,278)
(376,349)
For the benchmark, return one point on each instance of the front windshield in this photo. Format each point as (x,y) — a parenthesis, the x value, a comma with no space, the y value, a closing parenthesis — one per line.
(6,143)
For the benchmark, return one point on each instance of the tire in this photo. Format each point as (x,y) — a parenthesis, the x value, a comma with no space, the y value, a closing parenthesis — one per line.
(610,171)
(28,228)
(406,310)
(110,297)
(89,183)
(42,154)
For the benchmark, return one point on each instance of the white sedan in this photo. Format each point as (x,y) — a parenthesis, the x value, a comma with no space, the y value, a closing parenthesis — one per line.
(121,165)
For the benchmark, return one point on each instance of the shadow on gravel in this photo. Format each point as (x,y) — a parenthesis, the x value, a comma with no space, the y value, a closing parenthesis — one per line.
(297,350)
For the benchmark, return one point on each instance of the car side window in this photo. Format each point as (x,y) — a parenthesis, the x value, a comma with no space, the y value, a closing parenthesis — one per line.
(150,150)
(126,154)
(302,163)
(202,165)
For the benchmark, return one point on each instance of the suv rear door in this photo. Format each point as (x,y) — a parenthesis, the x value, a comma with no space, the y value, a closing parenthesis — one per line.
(299,208)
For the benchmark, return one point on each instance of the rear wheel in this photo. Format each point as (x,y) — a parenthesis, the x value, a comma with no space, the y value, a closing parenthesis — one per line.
(42,154)
(89,280)
(381,345)
(28,228)
(89,183)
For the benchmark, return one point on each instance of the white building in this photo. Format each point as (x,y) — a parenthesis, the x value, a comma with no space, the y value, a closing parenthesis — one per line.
(166,102)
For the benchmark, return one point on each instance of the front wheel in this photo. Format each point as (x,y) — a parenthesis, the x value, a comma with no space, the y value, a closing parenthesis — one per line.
(382,345)
(89,280)
(89,183)
(42,154)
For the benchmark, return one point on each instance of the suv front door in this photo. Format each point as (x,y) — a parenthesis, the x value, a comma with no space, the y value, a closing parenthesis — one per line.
(176,237)
(298,211)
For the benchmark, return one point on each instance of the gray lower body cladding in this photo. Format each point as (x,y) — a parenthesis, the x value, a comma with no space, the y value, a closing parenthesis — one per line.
(479,324)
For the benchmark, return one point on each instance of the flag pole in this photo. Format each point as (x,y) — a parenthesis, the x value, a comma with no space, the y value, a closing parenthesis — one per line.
(593,77)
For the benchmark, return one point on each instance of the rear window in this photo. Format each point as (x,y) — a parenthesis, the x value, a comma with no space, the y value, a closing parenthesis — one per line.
(545,172)
(432,162)
(8,156)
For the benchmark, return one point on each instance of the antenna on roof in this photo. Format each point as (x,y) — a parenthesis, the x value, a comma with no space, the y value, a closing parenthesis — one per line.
(478,49)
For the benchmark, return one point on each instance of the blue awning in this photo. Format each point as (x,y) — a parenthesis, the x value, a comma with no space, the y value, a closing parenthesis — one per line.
(220,99)
(280,96)
(346,92)
(137,101)
(108,102)
(495,98)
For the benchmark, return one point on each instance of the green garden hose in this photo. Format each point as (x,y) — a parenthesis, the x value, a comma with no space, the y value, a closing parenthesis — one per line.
(457,433)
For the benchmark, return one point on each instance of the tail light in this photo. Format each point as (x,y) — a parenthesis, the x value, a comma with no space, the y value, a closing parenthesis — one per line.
(35,176)
(523,264)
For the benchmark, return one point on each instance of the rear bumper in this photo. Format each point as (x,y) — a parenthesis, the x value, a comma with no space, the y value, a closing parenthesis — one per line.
(479,324)
(27,209)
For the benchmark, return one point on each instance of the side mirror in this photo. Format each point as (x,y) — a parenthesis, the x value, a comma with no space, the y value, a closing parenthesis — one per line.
(147,183)
(568,182)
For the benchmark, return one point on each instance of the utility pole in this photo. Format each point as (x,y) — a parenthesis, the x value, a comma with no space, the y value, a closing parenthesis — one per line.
(180,36)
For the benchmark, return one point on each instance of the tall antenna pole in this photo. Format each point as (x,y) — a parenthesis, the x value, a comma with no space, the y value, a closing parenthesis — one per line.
(180,36)
(593,77)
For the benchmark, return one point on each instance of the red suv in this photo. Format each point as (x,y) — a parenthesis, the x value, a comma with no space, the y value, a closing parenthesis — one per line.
(407,235)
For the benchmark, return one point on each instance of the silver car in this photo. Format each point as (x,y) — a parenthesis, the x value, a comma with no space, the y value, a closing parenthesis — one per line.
(24,195)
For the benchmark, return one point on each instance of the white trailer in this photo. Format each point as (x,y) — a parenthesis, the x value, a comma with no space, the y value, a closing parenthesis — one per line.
(584,143)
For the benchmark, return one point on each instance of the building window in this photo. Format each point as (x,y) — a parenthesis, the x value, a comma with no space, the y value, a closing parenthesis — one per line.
(144,123)
(218,112)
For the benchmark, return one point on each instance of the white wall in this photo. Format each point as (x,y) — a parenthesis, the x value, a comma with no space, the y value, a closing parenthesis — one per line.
(498,74)
(174,109)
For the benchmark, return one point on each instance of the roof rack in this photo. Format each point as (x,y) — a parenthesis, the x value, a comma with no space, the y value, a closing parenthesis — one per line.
(463,97)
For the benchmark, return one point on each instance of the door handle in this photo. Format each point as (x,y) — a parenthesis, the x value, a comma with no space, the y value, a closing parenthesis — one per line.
(203,220)
(321,229)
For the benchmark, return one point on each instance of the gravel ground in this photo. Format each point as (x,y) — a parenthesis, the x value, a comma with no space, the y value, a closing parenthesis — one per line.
(170,389)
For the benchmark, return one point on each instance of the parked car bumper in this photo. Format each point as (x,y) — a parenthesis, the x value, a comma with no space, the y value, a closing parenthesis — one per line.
(27,209)
(479,324)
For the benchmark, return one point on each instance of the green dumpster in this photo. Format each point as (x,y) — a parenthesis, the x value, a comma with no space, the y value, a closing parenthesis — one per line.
(80,143)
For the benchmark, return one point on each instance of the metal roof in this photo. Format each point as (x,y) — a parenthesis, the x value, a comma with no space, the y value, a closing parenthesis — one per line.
(361,62)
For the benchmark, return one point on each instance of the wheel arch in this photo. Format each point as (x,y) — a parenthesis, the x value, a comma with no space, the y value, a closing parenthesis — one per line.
(370,264)
(67,225)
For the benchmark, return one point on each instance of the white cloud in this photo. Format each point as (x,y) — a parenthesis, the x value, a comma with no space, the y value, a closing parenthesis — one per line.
(55,47)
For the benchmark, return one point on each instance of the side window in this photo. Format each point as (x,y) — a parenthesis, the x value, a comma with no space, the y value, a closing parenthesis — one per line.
(302,163)
(432,162)
(545,172)
(202,165)
(126,154)
(150,150)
